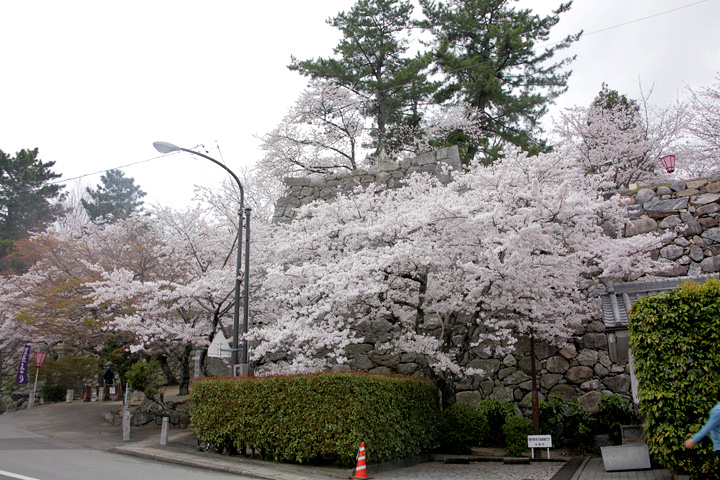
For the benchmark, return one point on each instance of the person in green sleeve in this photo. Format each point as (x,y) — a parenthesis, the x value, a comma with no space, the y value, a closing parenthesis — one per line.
(712,426)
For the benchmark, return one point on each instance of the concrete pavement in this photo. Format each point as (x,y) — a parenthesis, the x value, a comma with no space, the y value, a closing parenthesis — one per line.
(83,424)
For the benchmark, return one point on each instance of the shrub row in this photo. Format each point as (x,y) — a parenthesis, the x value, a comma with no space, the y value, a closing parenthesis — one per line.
(318,418)
(493,423)
(674,338)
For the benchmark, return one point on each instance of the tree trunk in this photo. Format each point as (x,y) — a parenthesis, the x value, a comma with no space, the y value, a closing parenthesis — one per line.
(533,374)
(165,367)
(185,360)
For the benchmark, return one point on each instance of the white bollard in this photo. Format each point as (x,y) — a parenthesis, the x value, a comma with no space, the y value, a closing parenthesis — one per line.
(164,431)
(126,425)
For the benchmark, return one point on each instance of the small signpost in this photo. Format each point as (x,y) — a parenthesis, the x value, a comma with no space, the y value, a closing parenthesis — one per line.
(219,347)
(539,441)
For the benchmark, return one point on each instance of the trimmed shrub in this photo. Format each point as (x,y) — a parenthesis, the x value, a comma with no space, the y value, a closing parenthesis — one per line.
(145,377)
(551,412)
(461,426)
(516,430)
(70,370)
(318,418)
(579,427)
(53,393)
(495,414)
(614,411)
(674,338)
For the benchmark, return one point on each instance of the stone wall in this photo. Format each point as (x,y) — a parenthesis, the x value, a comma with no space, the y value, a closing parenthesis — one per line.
(583,369)
(303,190)
(689,210)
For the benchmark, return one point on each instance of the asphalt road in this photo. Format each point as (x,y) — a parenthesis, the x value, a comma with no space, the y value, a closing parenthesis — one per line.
(68,441)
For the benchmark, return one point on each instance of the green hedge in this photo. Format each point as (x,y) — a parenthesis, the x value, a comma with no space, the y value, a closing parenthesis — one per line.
(53,393)
(516,430)
(318,418)
(675,340)
(461,427)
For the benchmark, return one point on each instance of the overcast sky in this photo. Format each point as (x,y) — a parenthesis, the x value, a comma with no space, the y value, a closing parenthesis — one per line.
(92,84)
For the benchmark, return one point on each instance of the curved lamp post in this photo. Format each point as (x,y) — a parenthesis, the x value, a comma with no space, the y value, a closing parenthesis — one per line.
(239,368)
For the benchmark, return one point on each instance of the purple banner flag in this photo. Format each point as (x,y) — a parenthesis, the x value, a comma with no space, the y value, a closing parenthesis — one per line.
(23,370)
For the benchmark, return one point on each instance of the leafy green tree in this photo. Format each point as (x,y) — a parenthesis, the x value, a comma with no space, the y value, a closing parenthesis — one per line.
(611,99)
(674,337)
(370,61)
(488,52)
(117,197)
(28,199)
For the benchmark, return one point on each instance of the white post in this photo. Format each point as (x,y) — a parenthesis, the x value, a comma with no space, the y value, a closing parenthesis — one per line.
(164,431)
(31,399)
(126,416)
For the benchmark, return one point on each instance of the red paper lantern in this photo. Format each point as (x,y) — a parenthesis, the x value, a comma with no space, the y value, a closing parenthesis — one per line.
(668,162)
(39,359)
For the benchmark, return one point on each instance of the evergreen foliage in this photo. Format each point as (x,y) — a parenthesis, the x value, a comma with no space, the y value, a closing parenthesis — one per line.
(495,413)
(614,411)
(371,61)
(674,337)
(516,430)
(73,370)
(318,418)
(117,197)
(461,427)
(146,377)
(490,87)
(487,51)
(551,414)
(28,199)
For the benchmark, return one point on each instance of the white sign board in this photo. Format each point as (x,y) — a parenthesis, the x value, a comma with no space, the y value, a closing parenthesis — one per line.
(219,348)
(539,441)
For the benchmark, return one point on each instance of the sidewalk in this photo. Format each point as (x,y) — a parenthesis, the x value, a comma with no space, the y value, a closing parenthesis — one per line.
(83,425)
(181,449)
(593,469)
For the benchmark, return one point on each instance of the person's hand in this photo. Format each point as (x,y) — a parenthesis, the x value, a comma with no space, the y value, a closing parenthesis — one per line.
(689,443)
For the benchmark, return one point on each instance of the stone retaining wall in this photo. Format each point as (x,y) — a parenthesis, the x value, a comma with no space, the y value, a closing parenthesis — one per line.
(584,369)
(303,190)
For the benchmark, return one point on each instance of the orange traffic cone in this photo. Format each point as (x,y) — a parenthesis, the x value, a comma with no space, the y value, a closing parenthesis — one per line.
(360,471)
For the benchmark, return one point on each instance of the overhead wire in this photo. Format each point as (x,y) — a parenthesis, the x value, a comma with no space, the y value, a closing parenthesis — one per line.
(548,44)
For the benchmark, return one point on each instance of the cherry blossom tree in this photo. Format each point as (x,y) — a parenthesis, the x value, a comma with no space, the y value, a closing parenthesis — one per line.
(452,124)
(455,271)
(164,281)
(322,133)
(622,140)
(703,152)
(180,306)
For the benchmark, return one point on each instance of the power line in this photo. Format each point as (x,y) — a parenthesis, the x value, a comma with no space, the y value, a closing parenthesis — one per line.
(643,18)
(78,177)
(396,86)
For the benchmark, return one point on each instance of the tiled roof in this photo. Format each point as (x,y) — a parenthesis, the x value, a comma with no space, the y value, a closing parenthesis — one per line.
(618,299)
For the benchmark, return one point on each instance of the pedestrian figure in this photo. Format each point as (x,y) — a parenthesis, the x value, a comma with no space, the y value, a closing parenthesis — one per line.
(712,426)
(109,376)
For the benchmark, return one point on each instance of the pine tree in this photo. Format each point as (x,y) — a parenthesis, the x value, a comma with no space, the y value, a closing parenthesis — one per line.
(28,199)
(370,61)
(487,51)
(117,197)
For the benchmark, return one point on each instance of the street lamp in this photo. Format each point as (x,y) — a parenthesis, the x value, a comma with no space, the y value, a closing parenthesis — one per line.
(239,368)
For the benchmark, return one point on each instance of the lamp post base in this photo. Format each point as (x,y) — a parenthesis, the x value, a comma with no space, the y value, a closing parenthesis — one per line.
(240,370)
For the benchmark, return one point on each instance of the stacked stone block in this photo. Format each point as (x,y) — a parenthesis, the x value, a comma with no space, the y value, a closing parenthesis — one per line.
(303,190)
(584,368)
